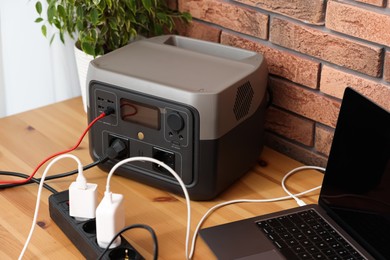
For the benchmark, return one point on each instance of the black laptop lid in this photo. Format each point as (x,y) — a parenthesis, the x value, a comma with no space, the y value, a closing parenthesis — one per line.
(356,186)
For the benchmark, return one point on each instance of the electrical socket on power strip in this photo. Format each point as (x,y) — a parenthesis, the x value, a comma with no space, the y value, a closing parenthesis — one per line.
(83,233)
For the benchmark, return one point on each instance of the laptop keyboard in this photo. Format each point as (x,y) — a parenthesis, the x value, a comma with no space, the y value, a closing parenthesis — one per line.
(306,235)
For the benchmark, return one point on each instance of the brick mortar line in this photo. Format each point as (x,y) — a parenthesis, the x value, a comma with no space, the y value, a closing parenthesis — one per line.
(367,7)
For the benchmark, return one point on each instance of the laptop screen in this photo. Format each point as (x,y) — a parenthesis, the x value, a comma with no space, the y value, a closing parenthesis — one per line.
(356,186)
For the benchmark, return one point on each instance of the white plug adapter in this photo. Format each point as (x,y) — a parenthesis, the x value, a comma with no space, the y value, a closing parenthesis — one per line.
(82,200)
(110,219)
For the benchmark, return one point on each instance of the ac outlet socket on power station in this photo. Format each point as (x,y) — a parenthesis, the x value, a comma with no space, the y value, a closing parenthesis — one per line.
(83,233)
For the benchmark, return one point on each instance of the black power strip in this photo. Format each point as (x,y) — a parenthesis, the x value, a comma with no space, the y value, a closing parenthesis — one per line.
(83,233)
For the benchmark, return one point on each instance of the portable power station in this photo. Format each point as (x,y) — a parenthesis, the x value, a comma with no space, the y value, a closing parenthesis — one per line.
(197,106)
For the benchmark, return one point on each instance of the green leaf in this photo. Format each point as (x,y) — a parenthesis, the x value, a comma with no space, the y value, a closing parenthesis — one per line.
(88,48)
(104,30)
(187,17)
(51,13)
(127,25)
(133,32)
(88,38)
(99,51)
(94,34)
(162,16)
(94,16)
(52,39)
(131,5)
(112,24)
(147,4)
(61,12)
(80,11)
(115,38)
(101,6)
(38,7)
(158,29)
(79,25)
(104,25)
(44,30)
(109,4)
(62,37)
(57,24)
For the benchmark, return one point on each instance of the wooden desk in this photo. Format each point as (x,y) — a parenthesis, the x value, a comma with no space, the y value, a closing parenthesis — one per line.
(27,138)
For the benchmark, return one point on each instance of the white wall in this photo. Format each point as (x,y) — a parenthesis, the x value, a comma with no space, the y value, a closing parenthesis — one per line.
(33,72)
(2,93)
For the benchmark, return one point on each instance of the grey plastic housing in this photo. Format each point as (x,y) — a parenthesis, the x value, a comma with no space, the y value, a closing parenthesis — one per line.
(201,74)
(211,100)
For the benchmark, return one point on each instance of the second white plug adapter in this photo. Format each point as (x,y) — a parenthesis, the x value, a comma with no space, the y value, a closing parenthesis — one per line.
(110,219)
(82,200)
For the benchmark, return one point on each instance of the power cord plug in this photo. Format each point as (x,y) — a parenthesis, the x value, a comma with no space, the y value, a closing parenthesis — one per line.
(40,192)
(116,149)
(179,180)
(109,110)
(298,201)
(82,197)
(110,214)
(110,219)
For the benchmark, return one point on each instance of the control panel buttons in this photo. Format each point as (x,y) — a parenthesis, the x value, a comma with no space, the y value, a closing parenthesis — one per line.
(175,121)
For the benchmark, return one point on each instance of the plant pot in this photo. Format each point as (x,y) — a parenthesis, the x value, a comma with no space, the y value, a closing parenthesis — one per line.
(82,62)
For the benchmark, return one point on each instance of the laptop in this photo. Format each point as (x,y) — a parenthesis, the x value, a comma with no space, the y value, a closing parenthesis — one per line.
(354,202)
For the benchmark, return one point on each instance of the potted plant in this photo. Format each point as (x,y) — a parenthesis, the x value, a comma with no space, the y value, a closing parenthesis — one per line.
(101,26)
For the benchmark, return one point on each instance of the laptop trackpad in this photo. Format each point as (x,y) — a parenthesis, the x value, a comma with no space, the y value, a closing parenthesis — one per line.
(239,240)
(271,255)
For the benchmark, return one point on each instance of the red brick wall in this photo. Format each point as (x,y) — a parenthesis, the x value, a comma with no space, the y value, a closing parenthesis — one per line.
(314,50)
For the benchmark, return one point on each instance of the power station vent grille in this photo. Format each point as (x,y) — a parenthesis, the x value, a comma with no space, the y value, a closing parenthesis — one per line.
(243,101)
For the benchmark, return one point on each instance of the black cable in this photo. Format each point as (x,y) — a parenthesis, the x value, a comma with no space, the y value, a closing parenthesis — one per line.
(116,149)
(148,228)
(22,175)
(66,174)
(51,177)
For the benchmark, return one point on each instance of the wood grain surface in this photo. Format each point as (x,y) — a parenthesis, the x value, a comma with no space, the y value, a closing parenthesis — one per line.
(27,138)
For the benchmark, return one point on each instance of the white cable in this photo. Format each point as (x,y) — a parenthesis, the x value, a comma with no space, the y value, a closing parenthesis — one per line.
(212,209)
(39,196)
(141,158)
(299,201)
(290,195)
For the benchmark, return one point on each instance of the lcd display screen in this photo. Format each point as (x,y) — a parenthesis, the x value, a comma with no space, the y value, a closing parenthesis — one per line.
(138,113)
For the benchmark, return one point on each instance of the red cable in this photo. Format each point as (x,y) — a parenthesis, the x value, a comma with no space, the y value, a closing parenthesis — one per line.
(56,154)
